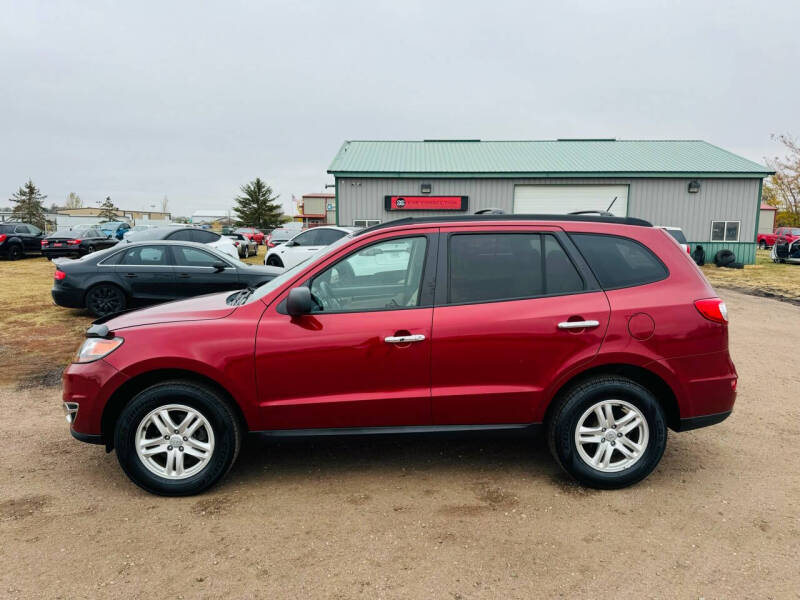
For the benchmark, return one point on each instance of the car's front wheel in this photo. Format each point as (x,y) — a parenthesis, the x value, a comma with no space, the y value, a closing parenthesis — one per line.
(274,261)
(177,438)
(608,432)
(762,244)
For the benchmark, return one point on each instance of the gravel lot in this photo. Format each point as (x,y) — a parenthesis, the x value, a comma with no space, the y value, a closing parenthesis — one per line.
(479,517)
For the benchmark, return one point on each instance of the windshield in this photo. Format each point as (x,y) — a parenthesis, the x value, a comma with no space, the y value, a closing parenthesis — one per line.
(290,273)
(284,234)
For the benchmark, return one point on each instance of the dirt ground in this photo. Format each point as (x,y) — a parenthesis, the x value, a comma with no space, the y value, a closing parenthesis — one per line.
(416,517)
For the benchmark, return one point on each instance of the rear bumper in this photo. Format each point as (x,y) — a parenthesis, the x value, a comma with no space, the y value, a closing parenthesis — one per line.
(690,423)
(67,298)
(705,386)
(57,252)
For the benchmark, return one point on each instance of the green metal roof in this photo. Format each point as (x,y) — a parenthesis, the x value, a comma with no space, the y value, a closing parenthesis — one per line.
(588,158)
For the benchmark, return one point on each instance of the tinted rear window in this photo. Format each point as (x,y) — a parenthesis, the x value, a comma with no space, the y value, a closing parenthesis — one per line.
(7,228)
(281,234)
(619,262)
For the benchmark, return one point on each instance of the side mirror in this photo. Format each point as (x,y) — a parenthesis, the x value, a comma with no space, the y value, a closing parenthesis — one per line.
(219,266)
(299,302)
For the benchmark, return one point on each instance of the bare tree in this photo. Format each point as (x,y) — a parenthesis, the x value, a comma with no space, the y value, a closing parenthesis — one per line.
(783,188)
(73,201)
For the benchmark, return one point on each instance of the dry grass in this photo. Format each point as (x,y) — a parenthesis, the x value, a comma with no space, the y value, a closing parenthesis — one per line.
(37,338)
(764,278)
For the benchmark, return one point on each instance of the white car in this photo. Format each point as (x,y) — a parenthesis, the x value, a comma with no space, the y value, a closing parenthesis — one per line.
(186,234)
(304,245)
(677,233)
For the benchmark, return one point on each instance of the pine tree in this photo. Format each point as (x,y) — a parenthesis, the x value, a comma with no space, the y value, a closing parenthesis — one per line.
(28,205)
(257,207)
(108,210)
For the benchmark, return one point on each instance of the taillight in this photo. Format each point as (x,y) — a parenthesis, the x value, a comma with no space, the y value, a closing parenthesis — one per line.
(2,237)
(236,244)
(688,249)
(712,309)
(45,242)
(59,275)
(73,242)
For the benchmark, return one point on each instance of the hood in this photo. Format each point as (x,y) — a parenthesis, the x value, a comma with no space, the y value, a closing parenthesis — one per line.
(200,308)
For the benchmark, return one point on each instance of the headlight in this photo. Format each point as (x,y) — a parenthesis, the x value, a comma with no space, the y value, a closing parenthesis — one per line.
(96,348)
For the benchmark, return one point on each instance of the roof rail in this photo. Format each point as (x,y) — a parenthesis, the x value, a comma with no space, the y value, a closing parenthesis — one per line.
(515,217)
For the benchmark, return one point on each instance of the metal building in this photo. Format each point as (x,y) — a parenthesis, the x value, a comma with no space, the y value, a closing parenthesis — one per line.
(710,193)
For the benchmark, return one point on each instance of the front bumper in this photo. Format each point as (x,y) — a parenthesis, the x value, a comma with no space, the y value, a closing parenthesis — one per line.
(87,388)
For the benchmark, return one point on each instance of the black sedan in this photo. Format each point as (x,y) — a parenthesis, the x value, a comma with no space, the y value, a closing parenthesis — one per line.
(76,242)
(143,273)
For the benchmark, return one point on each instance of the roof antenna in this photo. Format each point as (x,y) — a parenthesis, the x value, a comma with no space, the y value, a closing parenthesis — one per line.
(612,204)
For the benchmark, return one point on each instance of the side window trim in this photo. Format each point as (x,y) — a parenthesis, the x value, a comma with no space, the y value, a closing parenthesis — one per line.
(590,282)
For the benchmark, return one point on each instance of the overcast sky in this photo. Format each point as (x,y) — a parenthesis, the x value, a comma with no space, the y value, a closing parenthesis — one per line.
(138,100)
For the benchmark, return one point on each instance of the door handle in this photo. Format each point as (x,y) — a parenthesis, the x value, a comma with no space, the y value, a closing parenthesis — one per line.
(130,274)
(404,339)
(578,324)
(184,275)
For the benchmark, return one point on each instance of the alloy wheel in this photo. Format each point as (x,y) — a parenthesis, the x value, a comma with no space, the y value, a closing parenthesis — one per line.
(611,435)
(104,300)
(174,441)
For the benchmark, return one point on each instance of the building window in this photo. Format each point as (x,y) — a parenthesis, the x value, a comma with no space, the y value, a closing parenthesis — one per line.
(724,231)
(366,222)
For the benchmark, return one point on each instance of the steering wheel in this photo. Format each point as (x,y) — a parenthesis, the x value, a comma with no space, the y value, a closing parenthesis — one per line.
(329,298)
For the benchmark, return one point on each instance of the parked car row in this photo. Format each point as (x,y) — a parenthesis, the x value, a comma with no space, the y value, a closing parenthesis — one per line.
(586,328)
(781,234)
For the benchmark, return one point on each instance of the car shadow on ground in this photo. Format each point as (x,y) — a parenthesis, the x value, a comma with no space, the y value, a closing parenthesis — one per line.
(338,455)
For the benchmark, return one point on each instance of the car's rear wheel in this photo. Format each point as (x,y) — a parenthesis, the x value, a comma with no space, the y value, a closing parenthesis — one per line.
(274,261)
(90,249)
(104,299)
(608,432)
(177,438)
(15,252)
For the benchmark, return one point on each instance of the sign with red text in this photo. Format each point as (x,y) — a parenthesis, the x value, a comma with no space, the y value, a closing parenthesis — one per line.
(458,203)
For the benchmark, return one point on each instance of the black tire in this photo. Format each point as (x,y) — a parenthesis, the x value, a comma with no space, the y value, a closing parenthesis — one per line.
(90,249)
(274,261)
(15,252)
(724,257)
(571,406)
(214,408)
(762,244)
(104,299)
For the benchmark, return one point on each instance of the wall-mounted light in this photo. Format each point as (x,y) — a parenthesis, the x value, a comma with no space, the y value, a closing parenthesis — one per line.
(694,186)
(425,188)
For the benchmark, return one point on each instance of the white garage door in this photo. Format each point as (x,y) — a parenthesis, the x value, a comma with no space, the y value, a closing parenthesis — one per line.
(561,199)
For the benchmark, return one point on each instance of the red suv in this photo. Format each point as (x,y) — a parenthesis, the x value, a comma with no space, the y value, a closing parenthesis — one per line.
(601,331)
